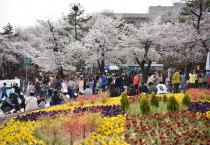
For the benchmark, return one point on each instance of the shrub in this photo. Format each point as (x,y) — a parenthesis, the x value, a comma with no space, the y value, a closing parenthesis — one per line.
(154,100)
(165,98)
(196,93)
(144,106)
(103,96)
(172,104)
(186,100)
(81,100)
(124,102)
(141,96)
(92,99)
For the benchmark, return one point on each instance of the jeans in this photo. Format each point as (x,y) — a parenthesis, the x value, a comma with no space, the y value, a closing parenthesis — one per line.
(43,94)
(71,93)
(104,87)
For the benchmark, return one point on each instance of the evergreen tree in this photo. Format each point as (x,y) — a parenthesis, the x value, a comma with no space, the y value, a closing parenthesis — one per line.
(76,21)
(8,31)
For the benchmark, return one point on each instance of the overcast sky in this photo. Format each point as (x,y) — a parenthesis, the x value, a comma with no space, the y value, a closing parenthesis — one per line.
(25,12)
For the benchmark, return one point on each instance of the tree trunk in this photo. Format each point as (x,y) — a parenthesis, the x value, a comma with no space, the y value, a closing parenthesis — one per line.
(145,71)
(60,72)
(188,69)
(1,72)
(37,68)
(101,66)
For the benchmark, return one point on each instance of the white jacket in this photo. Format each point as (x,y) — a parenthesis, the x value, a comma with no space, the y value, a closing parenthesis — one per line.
(31,103)
(161,89)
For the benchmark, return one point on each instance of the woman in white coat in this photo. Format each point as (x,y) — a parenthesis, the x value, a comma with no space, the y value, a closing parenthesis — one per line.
(81,85)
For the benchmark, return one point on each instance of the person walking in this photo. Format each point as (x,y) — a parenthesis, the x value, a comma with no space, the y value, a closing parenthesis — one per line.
(104,82)
(192,79)
(182,80)
(176,81)
(81,86)
(136,82)
(4,90)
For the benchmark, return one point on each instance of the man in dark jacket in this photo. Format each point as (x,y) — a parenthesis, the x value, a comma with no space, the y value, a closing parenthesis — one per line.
(131,90)
(55,98)
(143,88)
(118,84)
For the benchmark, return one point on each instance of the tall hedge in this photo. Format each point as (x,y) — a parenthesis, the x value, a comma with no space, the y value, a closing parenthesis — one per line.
(154,100)
(144,106)
(172,104)
(165,99)
(124,102)
(186,100)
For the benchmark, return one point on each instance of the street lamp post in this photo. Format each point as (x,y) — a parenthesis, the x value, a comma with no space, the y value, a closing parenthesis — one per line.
(75,8)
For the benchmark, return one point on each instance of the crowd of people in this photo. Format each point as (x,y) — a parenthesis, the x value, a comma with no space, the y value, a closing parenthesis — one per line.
(41,88)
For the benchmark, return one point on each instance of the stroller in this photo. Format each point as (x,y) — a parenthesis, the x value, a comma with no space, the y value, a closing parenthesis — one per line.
(13,102)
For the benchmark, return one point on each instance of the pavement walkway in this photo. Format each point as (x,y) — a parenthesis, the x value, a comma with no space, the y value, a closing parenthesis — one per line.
(21,111)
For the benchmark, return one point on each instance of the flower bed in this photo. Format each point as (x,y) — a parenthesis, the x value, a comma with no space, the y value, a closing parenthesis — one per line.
(105,111)
(199,107)
(110,132)
(176,128)
(199,94)
(112,127)
(20,130)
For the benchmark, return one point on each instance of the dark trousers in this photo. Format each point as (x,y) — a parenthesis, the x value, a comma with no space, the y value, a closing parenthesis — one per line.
(4,95)
(176,88)
(71,93)
(164,78)
(137,89)
(104,87)
(50,93)
(196,83)
(192,85)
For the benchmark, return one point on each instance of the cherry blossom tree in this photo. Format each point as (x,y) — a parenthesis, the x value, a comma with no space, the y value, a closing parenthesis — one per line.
(141,45)
(102,41)
(49,50)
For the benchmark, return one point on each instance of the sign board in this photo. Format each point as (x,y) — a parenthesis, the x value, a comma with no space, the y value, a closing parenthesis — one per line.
(26,62)
(9,82)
